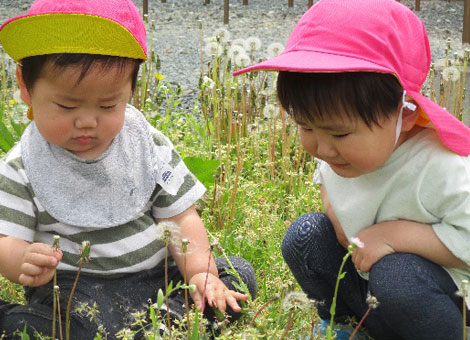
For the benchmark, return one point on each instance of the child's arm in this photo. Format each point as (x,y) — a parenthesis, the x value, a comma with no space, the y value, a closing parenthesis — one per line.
(217,294)
(30,264)
(402,236)
(328,208)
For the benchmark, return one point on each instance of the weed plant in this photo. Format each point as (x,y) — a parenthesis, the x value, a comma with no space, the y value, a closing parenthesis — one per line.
(244,148)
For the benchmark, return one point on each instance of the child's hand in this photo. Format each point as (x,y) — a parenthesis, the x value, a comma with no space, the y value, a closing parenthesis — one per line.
(376,246)
(38,264)
(217,294)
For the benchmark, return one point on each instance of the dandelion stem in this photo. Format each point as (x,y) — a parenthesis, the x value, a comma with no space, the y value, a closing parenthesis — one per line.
(205,281)
(69,304)
(184,243)
(60,316)
(271,299)
(290,322)
(360,323)
(167,302)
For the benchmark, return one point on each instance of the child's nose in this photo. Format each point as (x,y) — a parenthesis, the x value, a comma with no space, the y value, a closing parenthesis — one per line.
(86,122)
(325,150)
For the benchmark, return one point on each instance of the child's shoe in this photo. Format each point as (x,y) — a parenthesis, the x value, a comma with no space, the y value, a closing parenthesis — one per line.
(342,331)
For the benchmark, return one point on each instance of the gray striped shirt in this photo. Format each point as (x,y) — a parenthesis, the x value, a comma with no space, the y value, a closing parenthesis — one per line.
(127,248)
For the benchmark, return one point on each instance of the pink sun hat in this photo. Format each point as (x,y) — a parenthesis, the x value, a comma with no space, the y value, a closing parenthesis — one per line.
(106,27)
(369,35)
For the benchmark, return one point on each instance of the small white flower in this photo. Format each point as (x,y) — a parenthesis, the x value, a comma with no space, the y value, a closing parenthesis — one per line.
(450,73)
(222,34)
(271,111)
(252,44)
(357,242)
(213,48)
(275,49)
(235,51)
(242,60)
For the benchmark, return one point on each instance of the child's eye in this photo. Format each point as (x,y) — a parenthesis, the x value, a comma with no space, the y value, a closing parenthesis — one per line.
(65,107)
(108,107)
(341,136)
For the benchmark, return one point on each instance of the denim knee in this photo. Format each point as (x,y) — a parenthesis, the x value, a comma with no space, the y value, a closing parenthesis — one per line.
(311,230)
(399,280)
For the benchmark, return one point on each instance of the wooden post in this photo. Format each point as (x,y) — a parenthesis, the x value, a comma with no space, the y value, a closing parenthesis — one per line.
(145,8)
(417,5)
(207,2)
(310,3)
(291,3)
(225,12)
(245,2)
(163,1)
(466,22)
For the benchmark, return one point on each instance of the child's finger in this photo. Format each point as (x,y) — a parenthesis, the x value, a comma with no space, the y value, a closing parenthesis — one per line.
(232,302)
(41,260)
(197,298)
(31,269)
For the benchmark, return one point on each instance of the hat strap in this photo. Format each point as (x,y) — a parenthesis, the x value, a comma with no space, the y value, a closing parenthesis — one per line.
(409,106)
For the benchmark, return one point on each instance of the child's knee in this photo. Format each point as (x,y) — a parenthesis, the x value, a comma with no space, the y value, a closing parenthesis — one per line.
(306,231)
(396,280)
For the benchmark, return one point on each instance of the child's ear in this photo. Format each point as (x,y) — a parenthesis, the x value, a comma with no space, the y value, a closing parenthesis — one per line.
(24,92)
(410,117)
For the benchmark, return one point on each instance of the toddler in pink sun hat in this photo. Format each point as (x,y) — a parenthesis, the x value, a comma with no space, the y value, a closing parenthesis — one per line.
(89,167)
(393,170)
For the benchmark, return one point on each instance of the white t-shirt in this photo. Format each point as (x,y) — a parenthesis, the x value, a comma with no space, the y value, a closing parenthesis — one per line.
(422,181)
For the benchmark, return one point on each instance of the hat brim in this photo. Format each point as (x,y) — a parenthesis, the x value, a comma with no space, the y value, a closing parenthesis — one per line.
(33,35)
(452,132)
(314,61)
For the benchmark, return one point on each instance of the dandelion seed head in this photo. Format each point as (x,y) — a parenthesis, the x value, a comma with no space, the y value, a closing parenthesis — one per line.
(210,39)
(275,49)
(213,49)
(450,73)
(267,92)
(242,60)
(222,34)
(235,51)
(297,301)
(271,111)
(252,44)
(208,82)
(372,301)
(238,42)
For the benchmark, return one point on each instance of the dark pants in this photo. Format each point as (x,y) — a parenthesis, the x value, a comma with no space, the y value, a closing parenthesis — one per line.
(116,299)
(417,297)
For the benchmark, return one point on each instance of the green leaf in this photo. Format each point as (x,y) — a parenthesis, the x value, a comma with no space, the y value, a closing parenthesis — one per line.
(24,335)
(203,169)
(160,298)
(195,333)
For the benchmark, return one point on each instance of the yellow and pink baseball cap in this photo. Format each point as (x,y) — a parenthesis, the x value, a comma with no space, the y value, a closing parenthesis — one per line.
(381,36)
(106,27)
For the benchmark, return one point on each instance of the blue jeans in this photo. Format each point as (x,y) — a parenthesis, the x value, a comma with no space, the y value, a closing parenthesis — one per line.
(116,298)
(417,297)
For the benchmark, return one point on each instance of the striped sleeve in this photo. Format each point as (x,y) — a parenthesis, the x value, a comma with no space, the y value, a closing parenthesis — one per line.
(17,208)
(164,204)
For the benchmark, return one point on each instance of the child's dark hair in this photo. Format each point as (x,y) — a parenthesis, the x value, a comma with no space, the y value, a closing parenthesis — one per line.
(33,66)
(310,97)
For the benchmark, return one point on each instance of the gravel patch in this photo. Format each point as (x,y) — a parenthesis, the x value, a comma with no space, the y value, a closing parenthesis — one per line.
(176,34)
